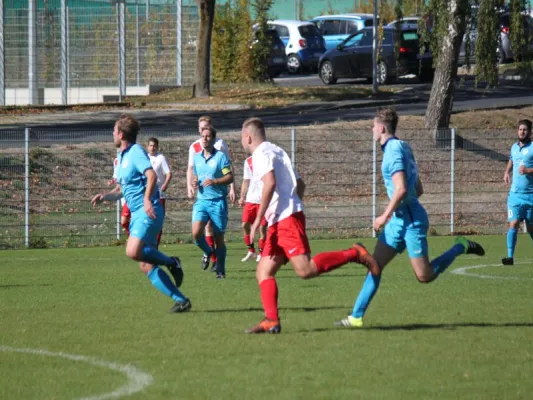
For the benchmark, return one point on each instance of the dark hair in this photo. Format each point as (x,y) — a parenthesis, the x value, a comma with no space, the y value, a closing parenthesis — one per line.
(525,122)
(129,126)
(154,140)
(388,117)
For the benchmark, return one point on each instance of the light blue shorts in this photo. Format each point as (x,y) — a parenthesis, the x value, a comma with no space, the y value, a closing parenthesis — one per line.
(407,229)
(145,228)
(215,211)
(520,207)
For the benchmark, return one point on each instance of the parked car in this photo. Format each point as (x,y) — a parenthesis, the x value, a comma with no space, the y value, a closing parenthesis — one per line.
(353,58)
(336,28)
(504,52)
(304,45)
(410,22)
(277,59)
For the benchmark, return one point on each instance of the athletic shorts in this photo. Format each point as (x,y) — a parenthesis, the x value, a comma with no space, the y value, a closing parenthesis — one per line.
(215,211)
(287,237)
(126,213)
(407,228)
(520,207)
(145,228)
(249,214)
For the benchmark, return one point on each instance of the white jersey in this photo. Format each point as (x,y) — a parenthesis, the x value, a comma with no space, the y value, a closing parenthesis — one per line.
(115,176)
(161,169)
(255,187)
(285,201)
(196,148)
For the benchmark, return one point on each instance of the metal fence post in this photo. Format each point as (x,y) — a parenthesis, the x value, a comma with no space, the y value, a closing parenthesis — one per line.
(178,42)
(64,80)
(138,44)
(2,60)
(374,184)
(293,146)
(118,219)
(33,97)
(121,50)
(27,187)
(452,181)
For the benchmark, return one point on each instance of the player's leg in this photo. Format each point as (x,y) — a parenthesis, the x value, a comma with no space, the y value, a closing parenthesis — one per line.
(514,211)
(163,206)
(262,237)
(529,218)
(248,216)
(218,215)
(161,281)
(125,218)
(210,239)
(200,217)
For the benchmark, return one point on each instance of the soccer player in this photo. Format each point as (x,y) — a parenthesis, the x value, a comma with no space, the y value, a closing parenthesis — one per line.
(195,148)
(520,200)
(212,169)
(405,220)
(250,199)
(162,171)
(137,183)
(125,214)
(286,240)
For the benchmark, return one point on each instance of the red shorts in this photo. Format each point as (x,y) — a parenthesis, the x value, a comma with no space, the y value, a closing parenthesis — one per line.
(287,237)
(249,214)
(126,213)
(162,202)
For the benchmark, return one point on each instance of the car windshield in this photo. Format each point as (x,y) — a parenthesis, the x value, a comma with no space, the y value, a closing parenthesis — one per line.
(308,30)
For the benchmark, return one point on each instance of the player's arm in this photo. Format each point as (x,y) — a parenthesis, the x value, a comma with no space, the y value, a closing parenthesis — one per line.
(244,189)
(400,191)
(419,187)
(113,195)
(226,179)
(300,188)
(151,183)
(507,172)
(168,174)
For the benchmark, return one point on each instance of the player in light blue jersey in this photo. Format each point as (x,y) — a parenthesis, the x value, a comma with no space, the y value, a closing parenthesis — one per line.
(405,220)
(137,182)
(520,200)
(212,169)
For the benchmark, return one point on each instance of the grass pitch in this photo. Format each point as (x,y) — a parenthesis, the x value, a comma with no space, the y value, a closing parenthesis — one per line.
(85,323)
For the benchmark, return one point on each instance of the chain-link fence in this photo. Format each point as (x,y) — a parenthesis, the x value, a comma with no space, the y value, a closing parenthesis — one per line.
(78,47)
(47,178)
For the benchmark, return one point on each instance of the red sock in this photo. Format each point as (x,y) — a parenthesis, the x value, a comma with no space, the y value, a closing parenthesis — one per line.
(331,260)
(269,298)
(126,227)
(211,242)
(248,243)
(261,244)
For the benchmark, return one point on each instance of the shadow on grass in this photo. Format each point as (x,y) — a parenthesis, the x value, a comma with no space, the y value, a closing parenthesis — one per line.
(24,285)
(259,309)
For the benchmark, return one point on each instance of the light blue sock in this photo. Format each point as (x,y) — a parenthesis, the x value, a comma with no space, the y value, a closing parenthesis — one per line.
(221,259)
(370,287)
(155,257)
(512,236)
(163,283)
(202,244)
(446,259)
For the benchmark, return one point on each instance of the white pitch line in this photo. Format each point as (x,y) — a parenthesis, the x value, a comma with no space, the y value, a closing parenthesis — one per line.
(137,380)
(463,271)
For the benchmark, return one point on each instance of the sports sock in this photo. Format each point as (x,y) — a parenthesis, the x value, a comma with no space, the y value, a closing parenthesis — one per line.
(163,283)
(512,236)
(443,261)
(328,261)
(211,242)
(155,257)
(204,246)
(269,298)
(221,259)
(248,244)
(369,289)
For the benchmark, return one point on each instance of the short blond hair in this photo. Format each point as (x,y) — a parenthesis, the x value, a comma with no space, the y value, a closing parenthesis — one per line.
(255,126)
(388,117)
(205,118)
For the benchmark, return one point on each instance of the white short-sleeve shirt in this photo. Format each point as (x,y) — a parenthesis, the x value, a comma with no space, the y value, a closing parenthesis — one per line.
(285,201)
(196,147)
(255,187)
(161,169)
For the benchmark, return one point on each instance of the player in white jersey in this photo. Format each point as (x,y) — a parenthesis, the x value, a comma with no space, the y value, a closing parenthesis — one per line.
(125,213)
(286,240)
(250,199)
(195,148)
(162,170)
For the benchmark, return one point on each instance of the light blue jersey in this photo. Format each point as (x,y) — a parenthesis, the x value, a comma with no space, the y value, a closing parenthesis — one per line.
(214,167)
(132,163)
(522,156)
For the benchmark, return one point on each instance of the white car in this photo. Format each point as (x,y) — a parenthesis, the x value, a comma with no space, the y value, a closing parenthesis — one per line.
(304,45)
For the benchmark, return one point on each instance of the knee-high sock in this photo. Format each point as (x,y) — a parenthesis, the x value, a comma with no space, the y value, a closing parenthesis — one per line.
(155,257)
(163,283)
(221,259)
(269,298)
(248,244)
(211,242)
(369,289)
(512,236)
(204,246)
(443,261)
(328,261)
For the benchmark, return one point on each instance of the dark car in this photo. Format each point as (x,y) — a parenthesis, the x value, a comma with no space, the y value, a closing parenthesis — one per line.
(277,59)
(353,58)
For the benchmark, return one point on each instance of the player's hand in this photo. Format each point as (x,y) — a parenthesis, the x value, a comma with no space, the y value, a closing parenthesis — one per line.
(523,170)
(241,202)
(232,196)
(190,192)
(208,182)
(507,178)
(164,188)
(111,182)
(149,209)
(97,199)
(380,222)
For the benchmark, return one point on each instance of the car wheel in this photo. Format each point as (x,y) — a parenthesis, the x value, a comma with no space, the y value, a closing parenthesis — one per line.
(326,73)
(382,73)
(294,65)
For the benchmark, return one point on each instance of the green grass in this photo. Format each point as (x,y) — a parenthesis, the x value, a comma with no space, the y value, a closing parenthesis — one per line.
(461,337)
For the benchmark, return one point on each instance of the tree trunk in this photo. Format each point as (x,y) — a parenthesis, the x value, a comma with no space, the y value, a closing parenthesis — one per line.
(206,11)
(443,89)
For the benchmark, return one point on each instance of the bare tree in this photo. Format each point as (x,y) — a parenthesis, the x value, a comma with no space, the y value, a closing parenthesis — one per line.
(206,11)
